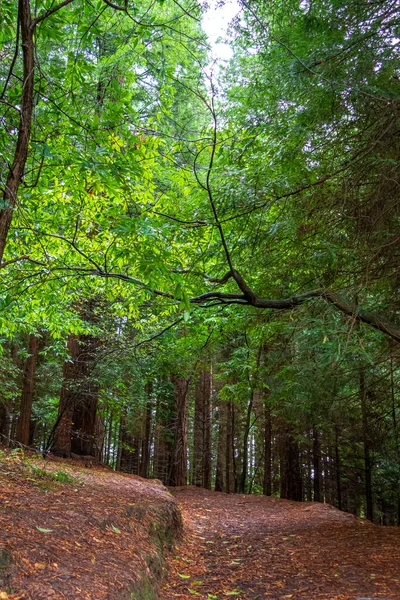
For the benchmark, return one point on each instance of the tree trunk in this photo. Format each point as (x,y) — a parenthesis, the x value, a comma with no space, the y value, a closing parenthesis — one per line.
(367,452)
(28,392)
(129,445)
(71,372)
(230,461)
(145,455)
(16,171)
(4,422)
(107,451)
(99,438)
(267,482)
(338,470)
(316,465)
(220,473)
(179,459)
(243,476)
(164,440)
(291,484)
(202,431)
(83,440)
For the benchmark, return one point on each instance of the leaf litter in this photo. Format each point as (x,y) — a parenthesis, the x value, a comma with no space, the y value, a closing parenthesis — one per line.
(256,547)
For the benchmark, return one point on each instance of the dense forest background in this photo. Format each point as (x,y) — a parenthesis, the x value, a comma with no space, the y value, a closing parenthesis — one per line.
(199,276)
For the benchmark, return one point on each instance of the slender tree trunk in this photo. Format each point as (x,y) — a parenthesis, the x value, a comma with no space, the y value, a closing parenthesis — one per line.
(234,485)
(4,422)
(243,476)
(202,431)
(316,465)
(367,452)
(28,392)
(179,460)
(230,461)
(25,123)
(220,474)
(109,440)
(338,470)
(267,483)
(145,455)
(99,437)
(160,448)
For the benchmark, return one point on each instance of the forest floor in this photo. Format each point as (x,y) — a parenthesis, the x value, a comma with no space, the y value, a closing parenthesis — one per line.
(254,547)
(70,532)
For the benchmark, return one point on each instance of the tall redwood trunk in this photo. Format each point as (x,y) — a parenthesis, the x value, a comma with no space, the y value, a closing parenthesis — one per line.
(179,459)
(164,433)
(28,392)
(85,406)
(71,373)
(75,430)
(129,449)
(291,483)
(16,171)
(202,430)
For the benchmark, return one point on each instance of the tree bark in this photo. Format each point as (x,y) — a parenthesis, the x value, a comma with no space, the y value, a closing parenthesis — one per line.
(62,434)
(202,430)
(179,460)
(25,123)
(316,465)
(267,482)
(220,473)
(250,298)
(291,484)
(163,433)
(85,406)
(4,422)
(145,454)
(338,470)
(243,476)
(28,392)
(367,451)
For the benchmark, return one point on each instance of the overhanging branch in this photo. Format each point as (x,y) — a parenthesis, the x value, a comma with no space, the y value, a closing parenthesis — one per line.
(249,298)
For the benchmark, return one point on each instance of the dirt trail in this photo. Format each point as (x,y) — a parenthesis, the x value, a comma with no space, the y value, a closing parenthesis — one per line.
(252,547)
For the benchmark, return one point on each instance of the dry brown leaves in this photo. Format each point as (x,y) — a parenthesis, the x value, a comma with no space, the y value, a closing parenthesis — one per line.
(87,539)
(252,547)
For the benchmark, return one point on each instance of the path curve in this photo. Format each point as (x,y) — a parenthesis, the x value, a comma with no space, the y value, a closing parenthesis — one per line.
(253,547)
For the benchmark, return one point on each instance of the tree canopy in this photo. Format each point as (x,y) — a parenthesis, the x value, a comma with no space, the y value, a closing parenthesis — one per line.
(163,218)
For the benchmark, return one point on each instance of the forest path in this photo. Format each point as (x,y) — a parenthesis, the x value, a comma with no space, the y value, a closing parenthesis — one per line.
(254,547)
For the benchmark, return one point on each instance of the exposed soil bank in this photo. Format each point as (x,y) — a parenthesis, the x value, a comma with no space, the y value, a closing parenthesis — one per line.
(67,532)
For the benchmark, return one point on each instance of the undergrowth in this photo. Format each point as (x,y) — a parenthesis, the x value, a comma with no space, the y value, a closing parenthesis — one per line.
(18,460)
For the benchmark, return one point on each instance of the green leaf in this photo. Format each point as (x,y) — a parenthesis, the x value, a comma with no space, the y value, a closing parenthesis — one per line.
(43,530)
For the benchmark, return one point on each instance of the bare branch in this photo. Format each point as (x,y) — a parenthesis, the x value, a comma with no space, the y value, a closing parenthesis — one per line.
(116,6)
